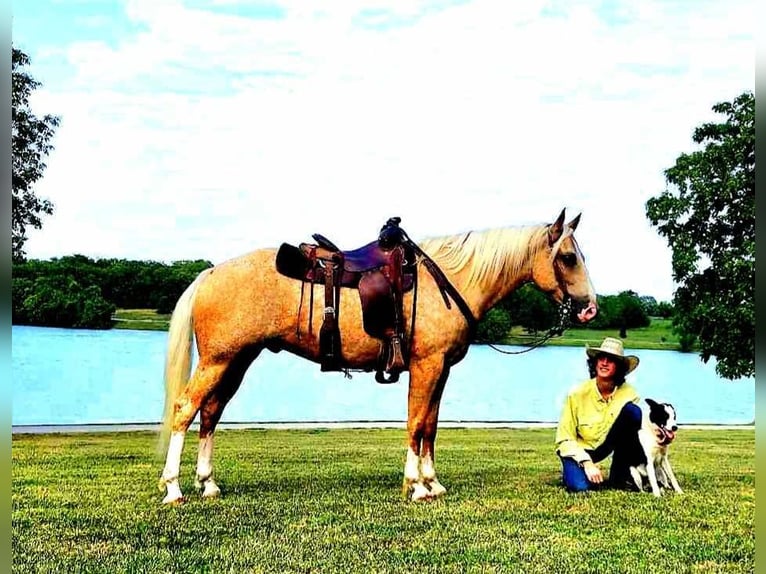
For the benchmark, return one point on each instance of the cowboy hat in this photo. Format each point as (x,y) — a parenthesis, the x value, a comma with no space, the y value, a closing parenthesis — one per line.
(613,347)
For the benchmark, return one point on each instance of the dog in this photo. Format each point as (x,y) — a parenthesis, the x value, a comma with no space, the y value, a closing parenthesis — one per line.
(655,436)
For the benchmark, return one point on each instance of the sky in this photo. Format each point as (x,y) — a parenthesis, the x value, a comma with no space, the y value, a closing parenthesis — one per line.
(203,129)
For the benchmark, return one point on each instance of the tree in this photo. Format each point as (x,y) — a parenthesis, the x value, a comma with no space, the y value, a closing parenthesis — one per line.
(632,312)
(707,214)
(650,305)
(493,327)
(31,145)
(60,301)
(531,308)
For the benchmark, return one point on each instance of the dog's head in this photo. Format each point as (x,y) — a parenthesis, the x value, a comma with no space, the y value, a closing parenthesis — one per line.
(663,418)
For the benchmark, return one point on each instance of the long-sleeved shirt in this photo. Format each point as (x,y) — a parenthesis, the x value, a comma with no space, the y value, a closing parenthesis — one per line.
(587,417)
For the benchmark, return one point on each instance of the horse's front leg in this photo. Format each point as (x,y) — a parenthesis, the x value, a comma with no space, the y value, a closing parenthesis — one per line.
(427,379)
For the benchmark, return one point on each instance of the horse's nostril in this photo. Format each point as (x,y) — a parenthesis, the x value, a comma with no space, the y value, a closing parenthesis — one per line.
(674,428)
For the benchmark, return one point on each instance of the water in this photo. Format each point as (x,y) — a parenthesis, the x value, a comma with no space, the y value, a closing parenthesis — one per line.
(63,376)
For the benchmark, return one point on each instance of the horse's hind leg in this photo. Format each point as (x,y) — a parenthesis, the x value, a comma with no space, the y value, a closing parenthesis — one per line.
(210,415)
(427,380)
(185,408)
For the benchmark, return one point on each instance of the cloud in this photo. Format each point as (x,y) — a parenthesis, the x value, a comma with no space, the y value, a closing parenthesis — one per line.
(205,132)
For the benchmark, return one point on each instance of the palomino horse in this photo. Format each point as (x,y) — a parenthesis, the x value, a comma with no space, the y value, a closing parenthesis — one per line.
(243,306)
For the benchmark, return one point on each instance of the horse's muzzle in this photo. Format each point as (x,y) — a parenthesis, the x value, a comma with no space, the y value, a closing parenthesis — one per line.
(588,313)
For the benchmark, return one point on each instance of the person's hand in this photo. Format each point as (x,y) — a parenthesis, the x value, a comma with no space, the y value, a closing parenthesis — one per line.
(593,472)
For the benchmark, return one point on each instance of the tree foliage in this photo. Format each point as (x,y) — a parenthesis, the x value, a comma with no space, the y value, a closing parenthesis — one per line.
(494,326)
(60,301)
(76,291)
(31,138)
(532,310)
(707,214)
(626,310)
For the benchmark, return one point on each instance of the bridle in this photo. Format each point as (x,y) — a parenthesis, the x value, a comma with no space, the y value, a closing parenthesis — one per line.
(565,310)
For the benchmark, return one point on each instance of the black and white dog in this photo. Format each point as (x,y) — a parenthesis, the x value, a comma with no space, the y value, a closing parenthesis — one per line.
(657,432)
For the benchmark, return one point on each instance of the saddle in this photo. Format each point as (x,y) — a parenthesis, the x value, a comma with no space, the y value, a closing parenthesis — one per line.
(381,271)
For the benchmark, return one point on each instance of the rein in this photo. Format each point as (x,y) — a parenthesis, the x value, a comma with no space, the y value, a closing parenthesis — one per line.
(564,312)
(446,288)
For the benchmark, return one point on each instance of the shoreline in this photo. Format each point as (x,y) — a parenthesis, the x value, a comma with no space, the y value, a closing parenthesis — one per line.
(303,425)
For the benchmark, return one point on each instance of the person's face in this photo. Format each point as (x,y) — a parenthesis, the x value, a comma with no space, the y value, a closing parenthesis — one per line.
(606,366)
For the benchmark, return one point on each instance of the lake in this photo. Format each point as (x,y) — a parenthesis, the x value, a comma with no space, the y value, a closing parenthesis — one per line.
(84,377)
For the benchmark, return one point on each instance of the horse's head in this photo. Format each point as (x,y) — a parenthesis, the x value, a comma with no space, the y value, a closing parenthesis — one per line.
(559,270)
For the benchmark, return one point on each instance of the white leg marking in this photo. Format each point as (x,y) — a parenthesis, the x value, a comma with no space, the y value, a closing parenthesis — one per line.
(204,478)
(174,492)
(428,472)
(205,458)
(412,466)
(411,474)
(173,467)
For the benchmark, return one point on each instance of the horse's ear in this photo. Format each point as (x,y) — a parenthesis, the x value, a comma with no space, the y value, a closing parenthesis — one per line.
(556,228)
(572,225)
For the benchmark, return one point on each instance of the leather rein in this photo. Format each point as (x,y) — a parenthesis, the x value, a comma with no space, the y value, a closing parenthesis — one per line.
(564,312)
(445,287)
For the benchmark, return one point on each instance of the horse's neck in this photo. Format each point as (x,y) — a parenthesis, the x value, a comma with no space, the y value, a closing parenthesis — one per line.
(482,298)
(483,290)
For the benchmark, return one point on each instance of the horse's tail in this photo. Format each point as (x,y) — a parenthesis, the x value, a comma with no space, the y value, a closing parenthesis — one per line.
(178,359)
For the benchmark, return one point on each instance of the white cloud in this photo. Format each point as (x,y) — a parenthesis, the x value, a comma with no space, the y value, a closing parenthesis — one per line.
(207,134)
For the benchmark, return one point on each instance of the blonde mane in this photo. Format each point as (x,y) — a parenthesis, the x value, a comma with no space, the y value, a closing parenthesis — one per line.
(489,255)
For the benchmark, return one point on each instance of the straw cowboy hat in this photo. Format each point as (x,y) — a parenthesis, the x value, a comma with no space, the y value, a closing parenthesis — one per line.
(613,347)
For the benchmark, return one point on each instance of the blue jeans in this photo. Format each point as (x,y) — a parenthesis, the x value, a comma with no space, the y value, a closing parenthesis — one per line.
(621,442)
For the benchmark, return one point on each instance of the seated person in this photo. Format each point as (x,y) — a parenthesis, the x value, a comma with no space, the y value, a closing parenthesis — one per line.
(600,417)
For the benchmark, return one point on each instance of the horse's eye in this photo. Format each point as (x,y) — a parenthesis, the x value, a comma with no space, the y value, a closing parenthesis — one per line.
(569,259)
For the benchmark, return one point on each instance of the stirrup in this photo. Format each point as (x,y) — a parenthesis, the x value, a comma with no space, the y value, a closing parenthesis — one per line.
(395,357)
(380,377)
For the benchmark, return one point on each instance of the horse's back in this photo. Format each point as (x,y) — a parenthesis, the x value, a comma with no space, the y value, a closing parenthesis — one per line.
(243,298)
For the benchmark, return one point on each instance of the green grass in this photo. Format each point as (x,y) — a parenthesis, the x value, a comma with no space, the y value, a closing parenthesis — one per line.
(330,501)
(658,335)
(140,319)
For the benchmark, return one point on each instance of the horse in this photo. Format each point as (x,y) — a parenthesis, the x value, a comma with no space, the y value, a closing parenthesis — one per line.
(238,308)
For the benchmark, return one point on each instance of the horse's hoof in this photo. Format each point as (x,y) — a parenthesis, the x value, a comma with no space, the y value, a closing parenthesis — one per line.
(436,489)
(211,490)
(420,493)
(173,500)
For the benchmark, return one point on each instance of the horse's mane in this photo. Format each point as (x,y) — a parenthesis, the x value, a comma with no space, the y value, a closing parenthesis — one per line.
(488,255)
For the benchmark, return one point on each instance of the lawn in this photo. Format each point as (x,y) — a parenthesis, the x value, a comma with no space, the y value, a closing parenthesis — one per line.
(140,319)
(658,335)
(330,501)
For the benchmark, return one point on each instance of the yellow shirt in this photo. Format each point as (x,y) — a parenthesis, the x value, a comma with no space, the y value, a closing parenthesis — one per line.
(587,417)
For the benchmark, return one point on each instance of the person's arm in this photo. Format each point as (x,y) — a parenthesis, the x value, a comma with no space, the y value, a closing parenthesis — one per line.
(566,434)
(566,439)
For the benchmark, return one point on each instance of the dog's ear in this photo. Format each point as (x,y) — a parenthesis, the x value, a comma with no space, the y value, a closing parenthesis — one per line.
(651,403)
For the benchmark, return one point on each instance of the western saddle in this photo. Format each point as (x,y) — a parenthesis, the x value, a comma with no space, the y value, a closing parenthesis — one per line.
(382,271)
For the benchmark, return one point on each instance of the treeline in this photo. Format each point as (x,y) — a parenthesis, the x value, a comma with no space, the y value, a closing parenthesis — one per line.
(530,309)
(77,291)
